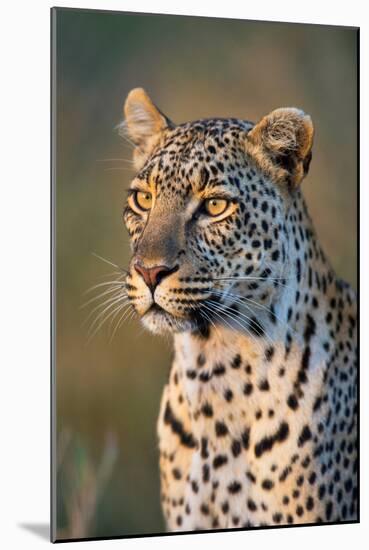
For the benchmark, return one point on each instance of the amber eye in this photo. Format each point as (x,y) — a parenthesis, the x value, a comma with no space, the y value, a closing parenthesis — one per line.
(215,207)
(143,200)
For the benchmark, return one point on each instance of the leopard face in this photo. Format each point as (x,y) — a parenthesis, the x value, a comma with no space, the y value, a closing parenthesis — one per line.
(206,217)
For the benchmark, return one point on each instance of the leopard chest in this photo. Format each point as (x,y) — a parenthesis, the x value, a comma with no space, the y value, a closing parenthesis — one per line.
(242,436)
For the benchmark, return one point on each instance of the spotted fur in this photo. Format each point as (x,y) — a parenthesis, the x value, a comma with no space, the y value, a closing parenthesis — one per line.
(257,423)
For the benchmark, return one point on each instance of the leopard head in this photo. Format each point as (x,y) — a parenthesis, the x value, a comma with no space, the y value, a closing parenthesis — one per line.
(206,211)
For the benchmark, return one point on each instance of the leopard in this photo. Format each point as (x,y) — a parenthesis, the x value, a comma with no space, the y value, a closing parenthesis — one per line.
(258,419)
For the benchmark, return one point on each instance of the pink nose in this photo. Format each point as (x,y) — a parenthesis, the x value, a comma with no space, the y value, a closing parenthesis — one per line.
(153,275)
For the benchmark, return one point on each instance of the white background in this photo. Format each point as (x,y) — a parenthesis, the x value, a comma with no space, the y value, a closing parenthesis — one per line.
(24,270)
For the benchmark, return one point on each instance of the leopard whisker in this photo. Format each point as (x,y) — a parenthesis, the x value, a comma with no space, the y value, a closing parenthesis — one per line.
(131,316)
(121,269)
(217,310)
(243,279)
(205,314)
(281,268)
(116,314)
(242,299)
(250,278)
(109,291)
(101,315)
(246,317)
(115,298)
(212,323)
(121,319)
(103,320)
(115,283)
(123,168)
(115,160)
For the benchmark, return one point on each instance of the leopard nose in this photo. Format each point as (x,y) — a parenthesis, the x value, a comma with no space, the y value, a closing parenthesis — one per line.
(154,275)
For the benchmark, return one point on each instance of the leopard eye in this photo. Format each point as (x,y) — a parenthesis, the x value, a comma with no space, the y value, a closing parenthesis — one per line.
(143,200)
(215,207)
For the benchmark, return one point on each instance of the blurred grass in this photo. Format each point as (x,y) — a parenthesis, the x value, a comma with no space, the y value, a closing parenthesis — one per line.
(192,68)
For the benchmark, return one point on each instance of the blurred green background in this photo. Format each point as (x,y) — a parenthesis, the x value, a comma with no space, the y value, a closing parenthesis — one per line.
(108,393)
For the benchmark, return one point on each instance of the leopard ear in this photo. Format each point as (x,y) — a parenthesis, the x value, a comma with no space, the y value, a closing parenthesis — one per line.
(143,123)
(281,145)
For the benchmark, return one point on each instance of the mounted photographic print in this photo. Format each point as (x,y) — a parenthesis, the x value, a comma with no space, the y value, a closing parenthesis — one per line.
(204,215)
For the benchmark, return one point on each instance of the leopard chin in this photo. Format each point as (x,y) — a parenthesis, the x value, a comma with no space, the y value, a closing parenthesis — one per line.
(159,321)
